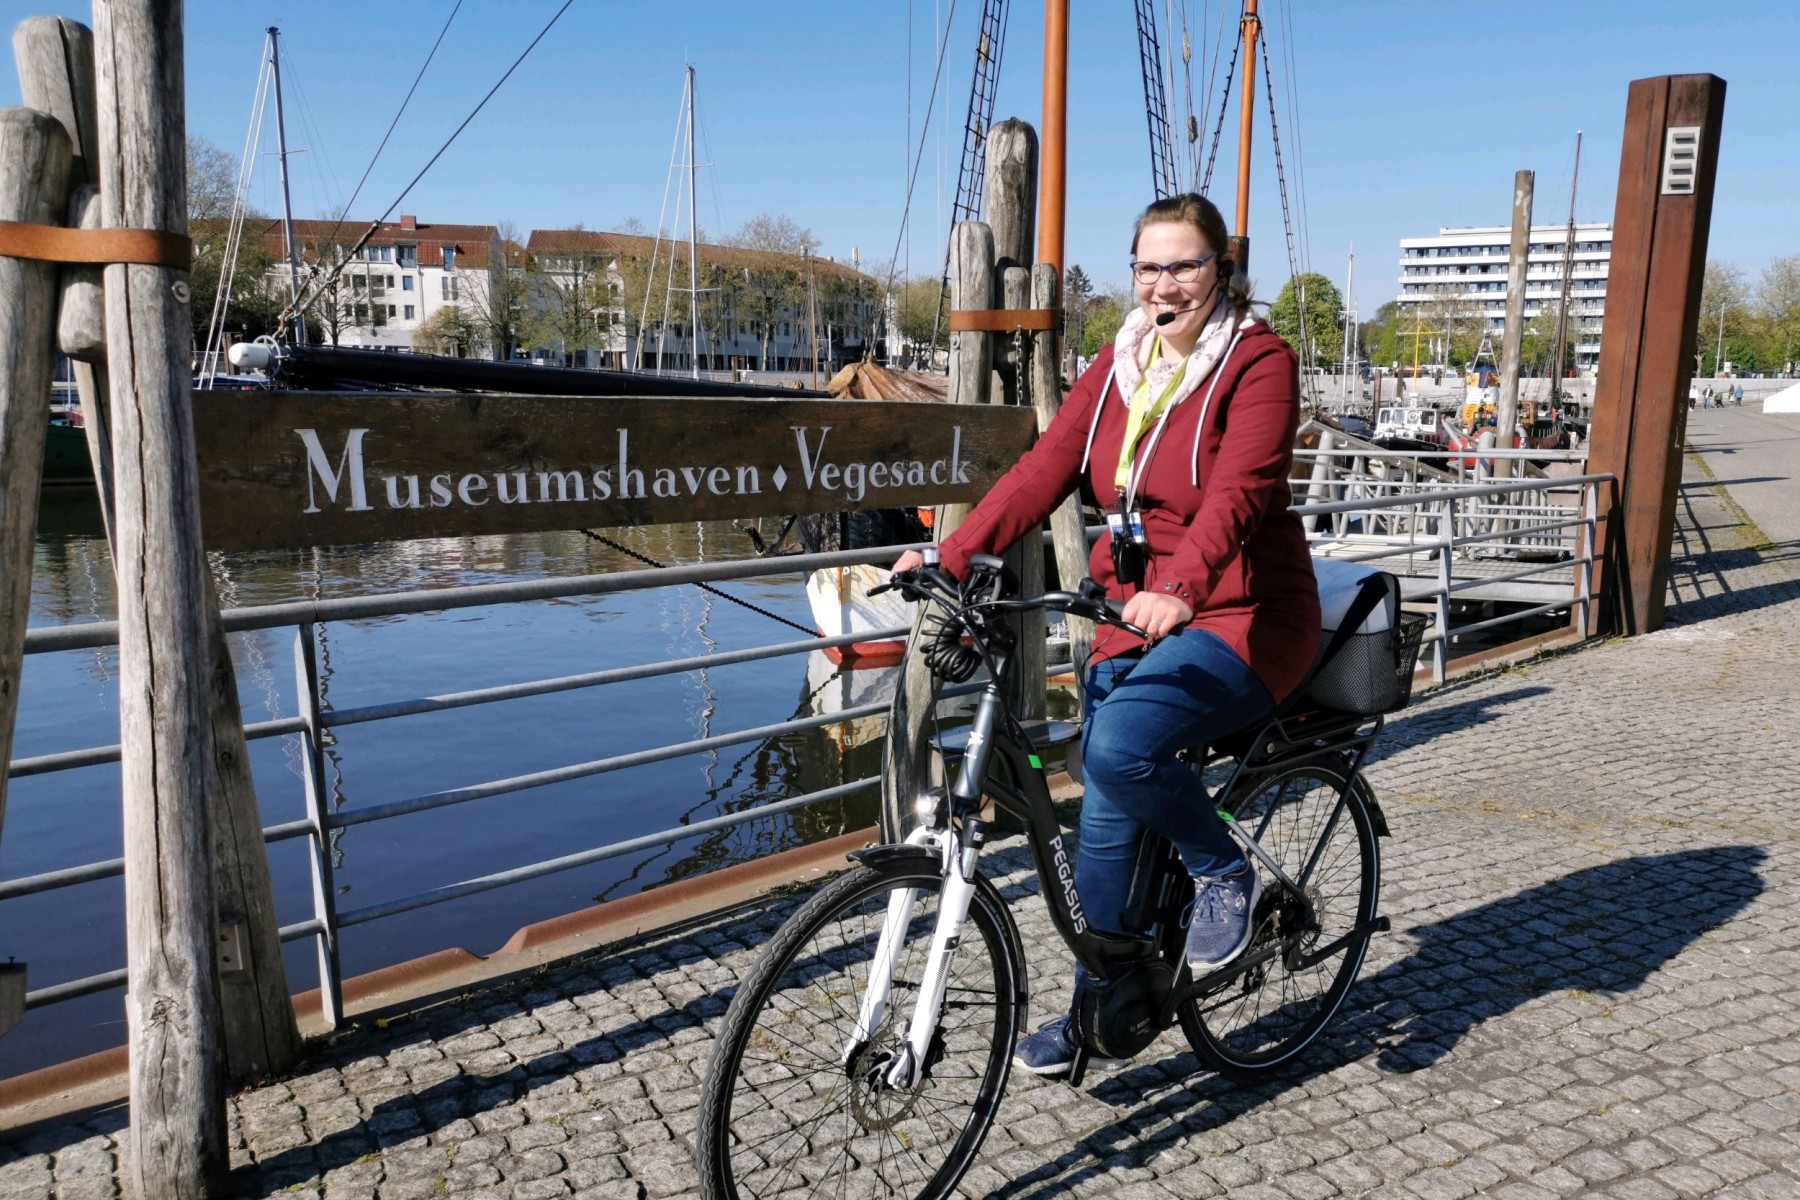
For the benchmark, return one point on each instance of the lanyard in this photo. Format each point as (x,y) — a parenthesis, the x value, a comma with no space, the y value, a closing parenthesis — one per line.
(1144,410)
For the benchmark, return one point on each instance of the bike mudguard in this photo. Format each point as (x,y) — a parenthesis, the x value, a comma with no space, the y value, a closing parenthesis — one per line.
(893,852)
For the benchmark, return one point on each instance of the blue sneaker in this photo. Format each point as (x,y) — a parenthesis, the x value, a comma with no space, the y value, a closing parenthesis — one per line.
(1051,1050)
(1223,908)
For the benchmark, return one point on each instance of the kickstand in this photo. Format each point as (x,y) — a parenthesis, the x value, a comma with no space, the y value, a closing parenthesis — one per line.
(1078,1066)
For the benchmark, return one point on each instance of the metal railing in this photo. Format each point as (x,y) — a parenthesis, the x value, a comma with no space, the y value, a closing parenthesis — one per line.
(1440,518)
(1459,536)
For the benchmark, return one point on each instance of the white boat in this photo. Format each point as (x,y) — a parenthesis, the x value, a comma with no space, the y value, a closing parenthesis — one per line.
(841,604)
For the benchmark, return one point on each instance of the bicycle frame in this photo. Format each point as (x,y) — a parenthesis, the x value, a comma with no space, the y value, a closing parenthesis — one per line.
(1024,793)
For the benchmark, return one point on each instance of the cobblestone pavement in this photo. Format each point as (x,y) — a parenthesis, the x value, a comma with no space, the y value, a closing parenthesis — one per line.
(1592,987)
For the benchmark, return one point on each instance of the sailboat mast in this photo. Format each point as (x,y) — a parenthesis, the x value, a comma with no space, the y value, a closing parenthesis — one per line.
(1349,320)
(1239,248)
(693,237)
(1562,303)
(287,199)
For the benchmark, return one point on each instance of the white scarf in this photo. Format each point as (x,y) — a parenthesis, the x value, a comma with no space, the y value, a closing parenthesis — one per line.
(1131,359)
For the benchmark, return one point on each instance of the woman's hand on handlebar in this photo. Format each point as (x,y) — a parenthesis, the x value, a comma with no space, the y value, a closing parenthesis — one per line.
(1158,614)
(912,560)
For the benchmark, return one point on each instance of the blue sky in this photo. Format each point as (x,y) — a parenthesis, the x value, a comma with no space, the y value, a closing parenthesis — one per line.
(1410,115)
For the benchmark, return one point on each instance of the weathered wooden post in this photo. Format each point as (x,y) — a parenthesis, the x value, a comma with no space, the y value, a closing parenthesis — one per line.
(1011,191)
(1068,534)
(1668,161)
(971,364)
(34,177)
(1512,342)
(55,59)
(165,643)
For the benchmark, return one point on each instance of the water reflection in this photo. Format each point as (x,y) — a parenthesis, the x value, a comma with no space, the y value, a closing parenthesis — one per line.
(70,699)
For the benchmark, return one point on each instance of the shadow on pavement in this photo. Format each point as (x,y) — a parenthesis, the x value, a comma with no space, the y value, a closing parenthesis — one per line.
(1601,931)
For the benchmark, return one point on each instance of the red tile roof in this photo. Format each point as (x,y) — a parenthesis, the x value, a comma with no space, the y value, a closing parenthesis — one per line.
(473,243)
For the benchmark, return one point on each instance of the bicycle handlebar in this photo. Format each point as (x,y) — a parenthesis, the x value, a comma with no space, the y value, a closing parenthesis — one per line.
(933,584)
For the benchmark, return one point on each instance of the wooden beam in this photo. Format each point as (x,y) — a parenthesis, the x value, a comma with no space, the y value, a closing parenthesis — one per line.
(178,1145)
(35,156)
(56,75)
(1660,225)
(906,763)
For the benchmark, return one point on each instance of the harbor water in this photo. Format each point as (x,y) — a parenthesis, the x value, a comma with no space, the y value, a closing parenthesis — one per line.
(69,700)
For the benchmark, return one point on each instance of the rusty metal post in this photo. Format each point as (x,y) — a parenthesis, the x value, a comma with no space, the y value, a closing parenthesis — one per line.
(1667,165)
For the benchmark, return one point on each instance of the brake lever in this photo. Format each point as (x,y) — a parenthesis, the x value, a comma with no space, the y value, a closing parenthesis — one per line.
(1115,610)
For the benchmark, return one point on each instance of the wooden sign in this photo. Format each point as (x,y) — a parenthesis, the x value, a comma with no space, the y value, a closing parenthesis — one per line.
(288,469)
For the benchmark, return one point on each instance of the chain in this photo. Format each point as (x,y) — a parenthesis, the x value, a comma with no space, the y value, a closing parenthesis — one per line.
(705,587)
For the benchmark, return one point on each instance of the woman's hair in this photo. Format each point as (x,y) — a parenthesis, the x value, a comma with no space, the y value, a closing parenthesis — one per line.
(1191,208)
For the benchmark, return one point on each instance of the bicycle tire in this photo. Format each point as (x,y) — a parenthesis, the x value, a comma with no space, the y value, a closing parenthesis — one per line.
(789,1025)
(1261,1020)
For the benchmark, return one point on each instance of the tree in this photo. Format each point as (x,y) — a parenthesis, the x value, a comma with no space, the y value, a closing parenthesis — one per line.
(1106,313)
(497,297)
(1778,312)
(1379,335)
(770,285)
(212,191)
(569,299)
(917,312)
(1722,311)
(451,330)
(1321,338)
(1537,347)
(212,173)
(1078,294)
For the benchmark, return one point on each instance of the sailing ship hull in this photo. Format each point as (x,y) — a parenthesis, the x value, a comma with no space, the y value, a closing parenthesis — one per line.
(66,459)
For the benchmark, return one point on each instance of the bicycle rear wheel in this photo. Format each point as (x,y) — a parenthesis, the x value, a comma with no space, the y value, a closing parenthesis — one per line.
(1260,1020)
(782,1111)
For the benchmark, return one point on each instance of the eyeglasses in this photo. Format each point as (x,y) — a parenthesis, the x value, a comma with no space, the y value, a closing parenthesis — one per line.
(1185,271)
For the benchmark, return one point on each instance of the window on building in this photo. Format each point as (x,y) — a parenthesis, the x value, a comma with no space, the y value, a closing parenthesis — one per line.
(448,284)
(406,283)
(409,312)
(390,310)
(408,256)
(449,258)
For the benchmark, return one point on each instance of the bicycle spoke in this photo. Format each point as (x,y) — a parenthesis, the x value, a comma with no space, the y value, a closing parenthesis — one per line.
(818,1126)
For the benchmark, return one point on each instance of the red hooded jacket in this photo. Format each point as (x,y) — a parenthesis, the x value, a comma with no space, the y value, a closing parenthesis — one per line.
(1230,548)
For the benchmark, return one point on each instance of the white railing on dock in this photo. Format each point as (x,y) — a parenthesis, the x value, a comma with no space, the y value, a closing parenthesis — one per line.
(1355,513)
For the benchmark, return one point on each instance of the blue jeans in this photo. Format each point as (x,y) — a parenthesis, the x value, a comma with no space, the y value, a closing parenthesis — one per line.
(1187,690)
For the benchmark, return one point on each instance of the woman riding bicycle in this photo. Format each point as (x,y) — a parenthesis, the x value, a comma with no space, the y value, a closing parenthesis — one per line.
(1184,428)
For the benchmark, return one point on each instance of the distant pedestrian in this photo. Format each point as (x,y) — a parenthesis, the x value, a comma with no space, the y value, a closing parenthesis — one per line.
(1737,395)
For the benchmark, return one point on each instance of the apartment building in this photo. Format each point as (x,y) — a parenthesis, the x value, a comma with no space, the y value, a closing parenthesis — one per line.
(1466,269)
(754,308)
(393,284)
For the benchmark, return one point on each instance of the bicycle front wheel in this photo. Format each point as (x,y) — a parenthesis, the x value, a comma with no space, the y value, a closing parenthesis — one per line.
(795,1104)
(1260,1020)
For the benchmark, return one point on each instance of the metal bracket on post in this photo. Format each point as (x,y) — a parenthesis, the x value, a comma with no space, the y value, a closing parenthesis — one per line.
(12,995)
(233,954)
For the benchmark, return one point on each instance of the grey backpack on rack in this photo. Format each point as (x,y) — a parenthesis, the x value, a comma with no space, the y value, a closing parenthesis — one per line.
(1369,648)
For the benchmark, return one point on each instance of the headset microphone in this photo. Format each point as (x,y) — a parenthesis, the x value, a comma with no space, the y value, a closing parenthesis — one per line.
(1163,318)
